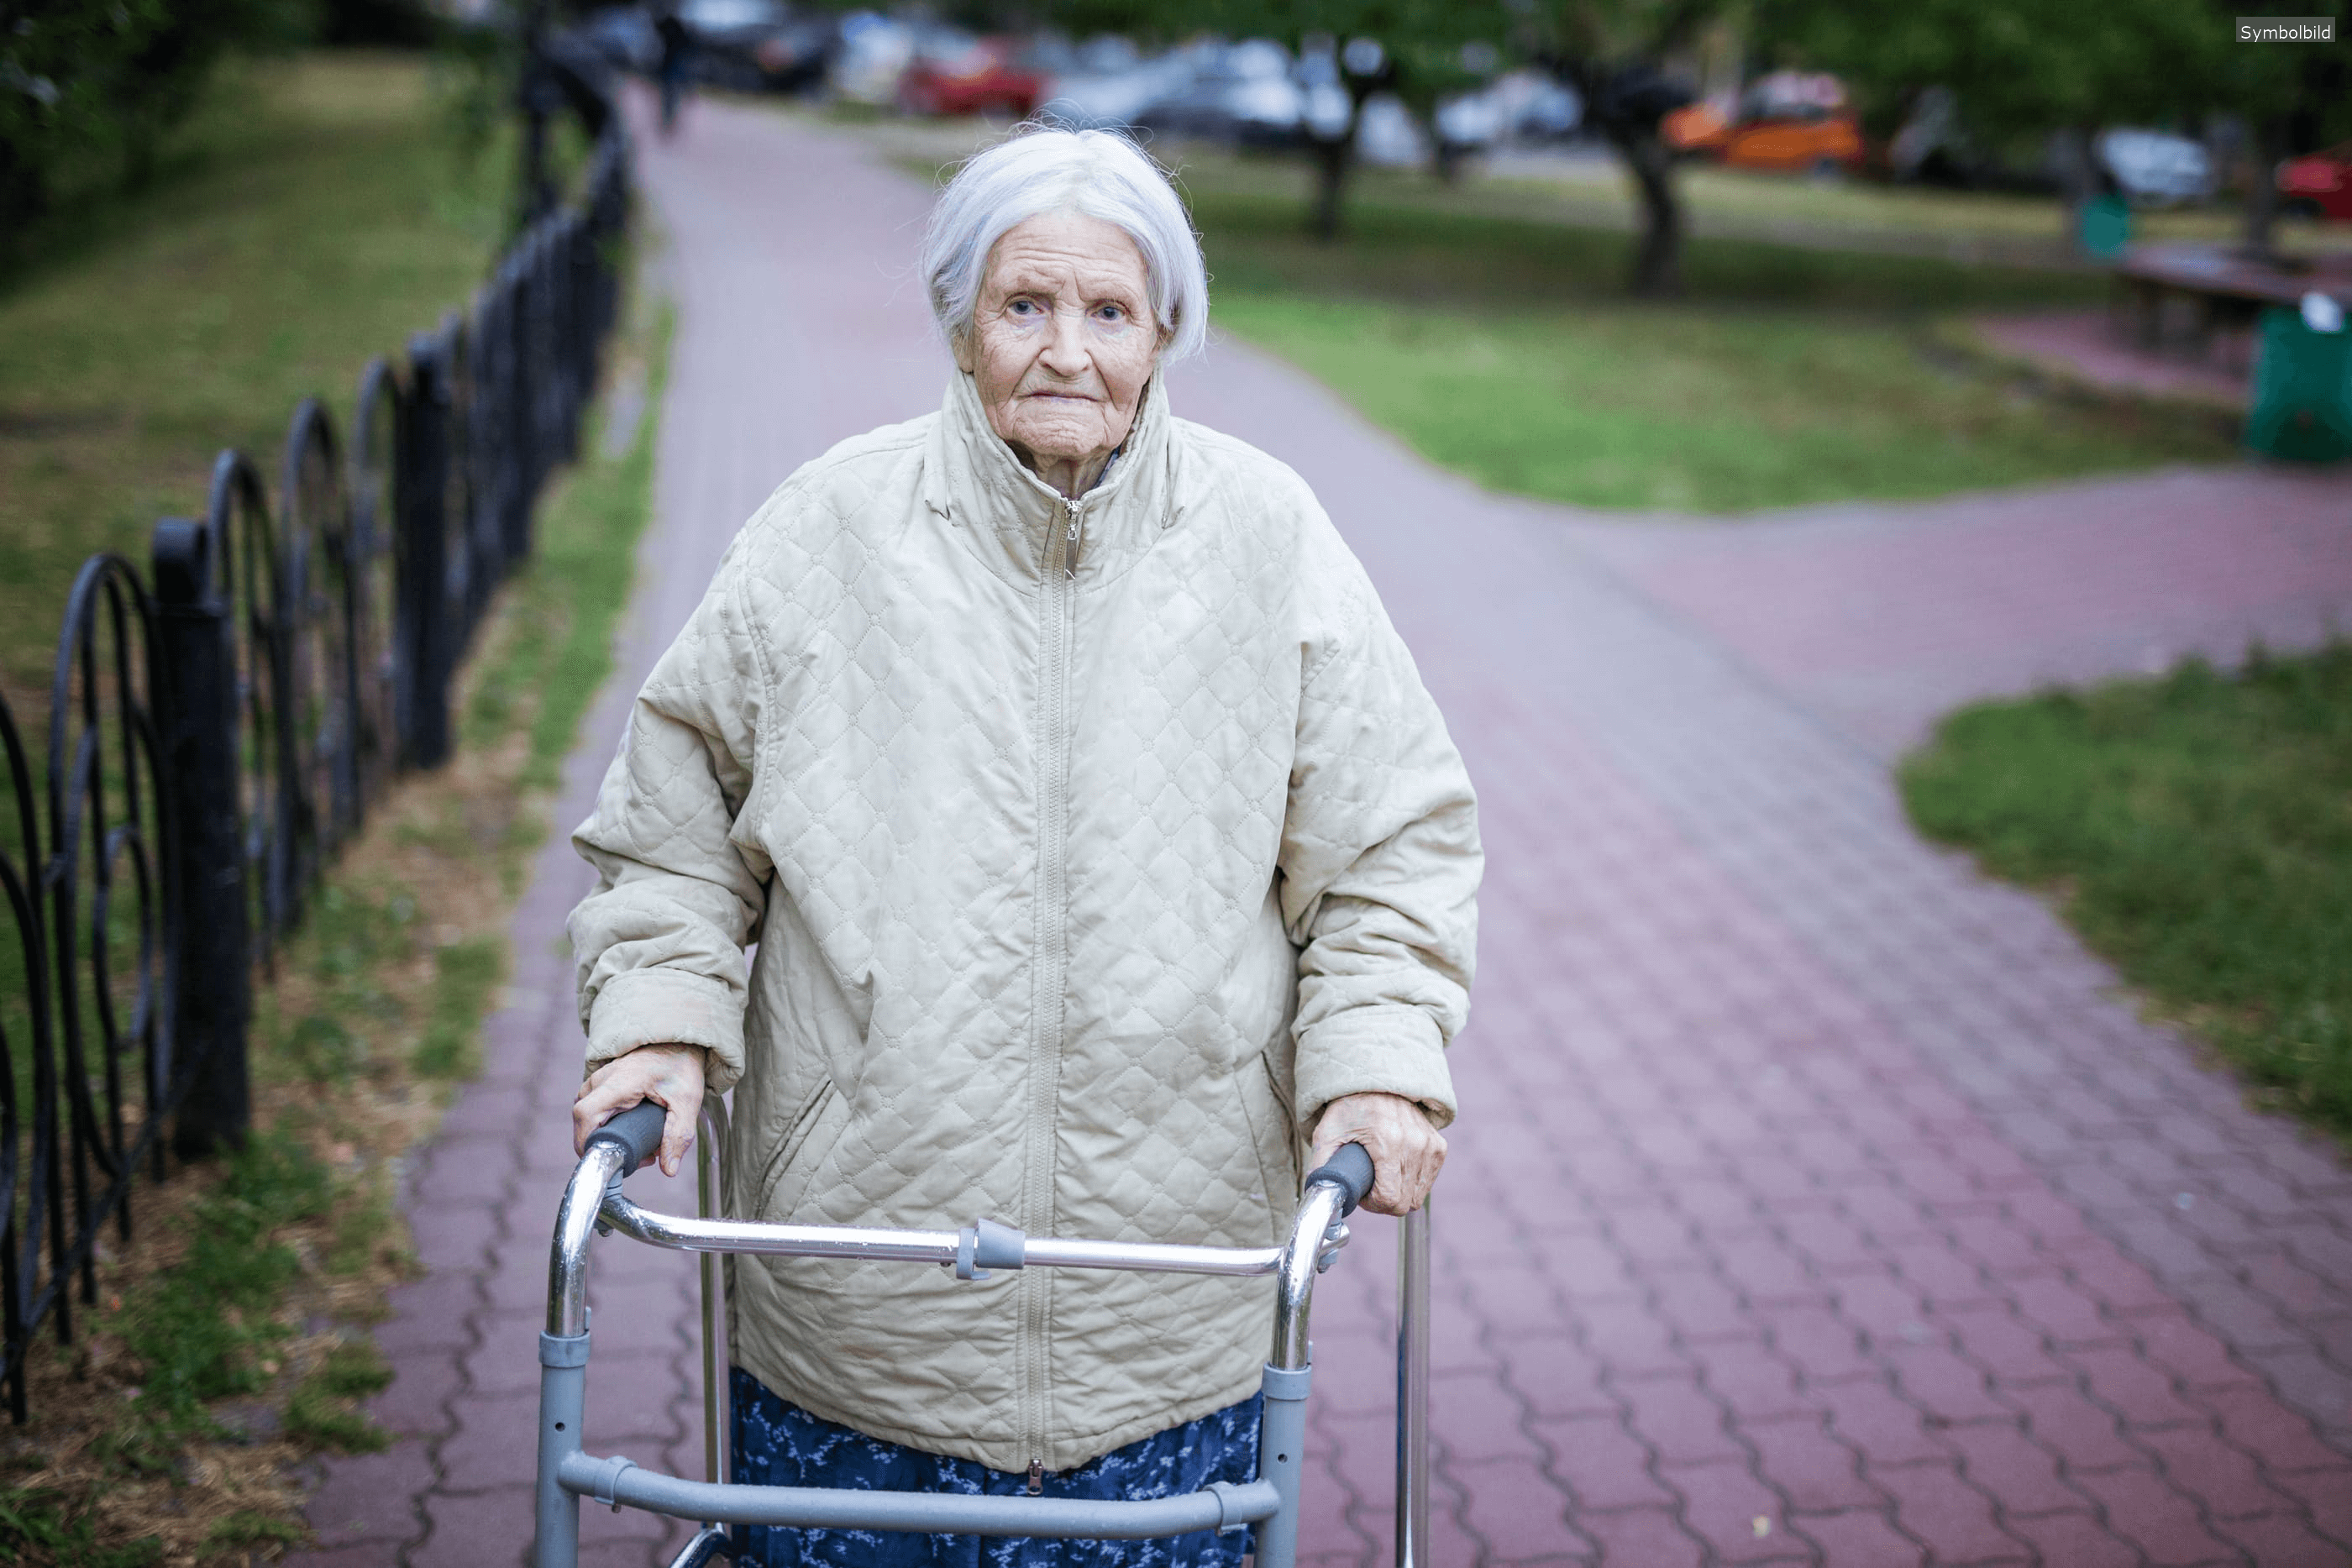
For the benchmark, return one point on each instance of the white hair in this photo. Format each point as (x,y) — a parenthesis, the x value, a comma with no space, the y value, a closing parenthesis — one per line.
(1045,169)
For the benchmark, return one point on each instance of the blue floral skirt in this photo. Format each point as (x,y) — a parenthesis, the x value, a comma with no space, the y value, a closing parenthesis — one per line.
(780,1445)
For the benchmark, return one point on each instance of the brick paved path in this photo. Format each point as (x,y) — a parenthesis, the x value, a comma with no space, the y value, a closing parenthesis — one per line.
(1813,1201)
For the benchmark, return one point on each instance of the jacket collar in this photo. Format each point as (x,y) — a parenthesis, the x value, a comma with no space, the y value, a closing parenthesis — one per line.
(971,479)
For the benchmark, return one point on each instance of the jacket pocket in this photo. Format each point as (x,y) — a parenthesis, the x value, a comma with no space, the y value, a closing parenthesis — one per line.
(1271,1139)
(815,1129)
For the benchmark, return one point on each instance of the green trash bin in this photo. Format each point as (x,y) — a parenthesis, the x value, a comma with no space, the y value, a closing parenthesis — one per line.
(2105,228)
(2302,405)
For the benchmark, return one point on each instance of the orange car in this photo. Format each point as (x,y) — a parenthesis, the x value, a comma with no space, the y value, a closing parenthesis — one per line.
(1789,122)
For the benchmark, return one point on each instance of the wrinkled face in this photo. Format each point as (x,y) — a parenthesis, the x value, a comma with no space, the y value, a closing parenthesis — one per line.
(1061,339)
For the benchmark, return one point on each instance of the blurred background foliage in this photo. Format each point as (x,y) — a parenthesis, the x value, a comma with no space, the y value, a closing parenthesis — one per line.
(90,90)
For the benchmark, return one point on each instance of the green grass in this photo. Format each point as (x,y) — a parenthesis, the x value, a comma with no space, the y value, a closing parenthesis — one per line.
(321,211)
(2197,831)
(1851,213)
(1505,349)
(63,1530)
(208,1329)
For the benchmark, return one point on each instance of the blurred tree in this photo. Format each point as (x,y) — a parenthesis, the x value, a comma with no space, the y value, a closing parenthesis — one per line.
(88,87)
(393,23)
(2018,70)
(1615,53)
(1351,50)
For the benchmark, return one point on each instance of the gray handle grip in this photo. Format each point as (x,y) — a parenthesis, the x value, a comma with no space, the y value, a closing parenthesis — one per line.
(636,1132)
(1350,1170)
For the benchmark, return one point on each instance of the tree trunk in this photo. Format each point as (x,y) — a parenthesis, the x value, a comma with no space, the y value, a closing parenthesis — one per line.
(2078,179)
(1658,258)
(2265,145)
(1332,161)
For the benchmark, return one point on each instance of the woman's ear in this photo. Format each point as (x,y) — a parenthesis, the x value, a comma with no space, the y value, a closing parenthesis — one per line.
(960,346)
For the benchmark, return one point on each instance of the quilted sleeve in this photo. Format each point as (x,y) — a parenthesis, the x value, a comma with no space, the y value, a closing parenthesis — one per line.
(1380,867)
(659,943)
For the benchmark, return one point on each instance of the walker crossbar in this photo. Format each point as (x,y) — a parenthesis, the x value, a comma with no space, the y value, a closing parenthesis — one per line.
(593,1202)
(1220,1506)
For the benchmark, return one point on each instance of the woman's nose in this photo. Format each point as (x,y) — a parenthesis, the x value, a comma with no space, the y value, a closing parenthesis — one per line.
(1065,347)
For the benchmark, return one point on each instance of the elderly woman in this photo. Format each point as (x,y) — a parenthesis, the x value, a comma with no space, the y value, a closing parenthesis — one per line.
(1101,848)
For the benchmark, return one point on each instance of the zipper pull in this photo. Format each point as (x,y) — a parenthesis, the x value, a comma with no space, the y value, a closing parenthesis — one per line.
(1037,1477)
(1070,556)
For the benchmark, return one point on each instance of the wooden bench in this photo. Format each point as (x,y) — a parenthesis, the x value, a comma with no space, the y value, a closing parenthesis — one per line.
(2228,288)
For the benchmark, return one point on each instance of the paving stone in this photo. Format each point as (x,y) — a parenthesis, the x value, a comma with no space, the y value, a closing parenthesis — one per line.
(2062,1418)
(1721,1505)
(1885,1428)
(1999,1460)
(416,1404)
(2220,1476)
(1680,1422)
(371,1499)
(2282,1440)
(1516,1511)
(2280,1540)
(1641,1537)
(495,1443)
(1556,1378)
(2134,1388)
(1602,1464)
(1936,1505)
(475,1530)
(1812,1470)
(1946,1387)
(2161,1522)
(2076,1540)
(2327,1495)
(1858,1537)
(1479,1418)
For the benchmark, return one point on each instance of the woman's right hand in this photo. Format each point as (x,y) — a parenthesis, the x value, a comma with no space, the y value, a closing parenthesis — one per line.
(668,1075)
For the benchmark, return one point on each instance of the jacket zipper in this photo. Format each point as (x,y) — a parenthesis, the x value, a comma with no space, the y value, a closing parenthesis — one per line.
(1053,964)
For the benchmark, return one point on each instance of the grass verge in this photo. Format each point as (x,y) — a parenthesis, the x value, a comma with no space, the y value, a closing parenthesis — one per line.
(1505,349)
(321,209)
(2195,830)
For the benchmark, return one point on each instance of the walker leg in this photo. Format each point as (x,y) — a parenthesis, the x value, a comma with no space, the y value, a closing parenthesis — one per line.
(1281,1448)
(562,1389)
(1413,1390)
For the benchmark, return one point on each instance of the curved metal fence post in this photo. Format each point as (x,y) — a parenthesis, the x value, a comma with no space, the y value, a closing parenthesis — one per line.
(427,648)
(214,1001)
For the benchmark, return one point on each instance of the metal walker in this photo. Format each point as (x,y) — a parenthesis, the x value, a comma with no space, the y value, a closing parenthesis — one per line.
(593,1203)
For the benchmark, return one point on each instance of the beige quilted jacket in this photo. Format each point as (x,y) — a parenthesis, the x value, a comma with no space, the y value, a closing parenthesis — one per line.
(1089,849)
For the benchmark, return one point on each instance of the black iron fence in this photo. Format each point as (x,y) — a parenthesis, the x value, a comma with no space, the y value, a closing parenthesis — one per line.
(218,728)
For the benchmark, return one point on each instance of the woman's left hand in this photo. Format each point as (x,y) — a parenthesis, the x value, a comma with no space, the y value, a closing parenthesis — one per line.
(1407,1152)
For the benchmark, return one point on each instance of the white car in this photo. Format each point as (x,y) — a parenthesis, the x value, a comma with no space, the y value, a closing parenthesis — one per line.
(2156,166)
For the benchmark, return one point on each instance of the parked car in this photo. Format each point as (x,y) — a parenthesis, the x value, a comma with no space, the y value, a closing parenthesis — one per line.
(756,45)
(1786,122)
(1241,94)
(954,73)
(2320,184)
(2156,167)
(624,36)
(873,54)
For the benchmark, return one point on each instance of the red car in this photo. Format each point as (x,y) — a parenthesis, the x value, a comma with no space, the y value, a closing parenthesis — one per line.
(2320,183)
(970,76)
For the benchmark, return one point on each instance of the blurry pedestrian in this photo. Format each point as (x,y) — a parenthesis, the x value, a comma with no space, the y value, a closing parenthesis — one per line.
(676,52)
(1105,857)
